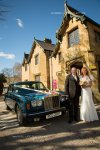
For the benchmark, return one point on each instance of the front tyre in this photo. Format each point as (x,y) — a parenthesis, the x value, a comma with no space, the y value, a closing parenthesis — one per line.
(20,117)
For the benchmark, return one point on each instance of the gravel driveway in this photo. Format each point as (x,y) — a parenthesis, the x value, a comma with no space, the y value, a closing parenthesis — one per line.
(52,134)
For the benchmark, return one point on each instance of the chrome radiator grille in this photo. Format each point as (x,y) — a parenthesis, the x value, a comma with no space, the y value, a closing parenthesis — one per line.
(51,102)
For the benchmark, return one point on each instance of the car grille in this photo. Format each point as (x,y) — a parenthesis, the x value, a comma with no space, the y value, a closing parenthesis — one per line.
(51,102)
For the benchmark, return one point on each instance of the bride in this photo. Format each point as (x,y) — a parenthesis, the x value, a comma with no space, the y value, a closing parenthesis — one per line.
(87,109)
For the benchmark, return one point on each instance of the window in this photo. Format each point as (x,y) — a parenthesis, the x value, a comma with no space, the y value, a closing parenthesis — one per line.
(37,78)
(25,67)
(36,59)
(73,37)
(97,36)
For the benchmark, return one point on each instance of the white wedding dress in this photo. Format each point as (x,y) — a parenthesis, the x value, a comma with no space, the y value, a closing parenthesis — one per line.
(87,108)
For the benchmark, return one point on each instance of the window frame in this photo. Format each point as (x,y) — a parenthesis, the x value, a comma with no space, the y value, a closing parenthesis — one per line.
(59,57)
(25,67)
(73,34)
(97,36)
(36,59)
(37,75)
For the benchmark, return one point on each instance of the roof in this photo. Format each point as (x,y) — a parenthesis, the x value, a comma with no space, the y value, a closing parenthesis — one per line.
(78,14)
(46,46)
(69,14)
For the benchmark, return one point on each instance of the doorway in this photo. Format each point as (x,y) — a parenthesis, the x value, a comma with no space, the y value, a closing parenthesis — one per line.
(77,65)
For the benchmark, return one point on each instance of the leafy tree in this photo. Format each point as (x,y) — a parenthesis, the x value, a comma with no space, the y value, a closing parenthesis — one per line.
(2,80)
(8,72)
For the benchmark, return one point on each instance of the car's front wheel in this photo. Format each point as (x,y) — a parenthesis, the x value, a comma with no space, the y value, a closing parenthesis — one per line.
(20,117)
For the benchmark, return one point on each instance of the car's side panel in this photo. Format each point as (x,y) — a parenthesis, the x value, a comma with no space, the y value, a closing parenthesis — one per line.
(9,99)
(32,103)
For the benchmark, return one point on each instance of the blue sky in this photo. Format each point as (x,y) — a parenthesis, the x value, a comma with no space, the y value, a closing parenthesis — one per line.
(35,18)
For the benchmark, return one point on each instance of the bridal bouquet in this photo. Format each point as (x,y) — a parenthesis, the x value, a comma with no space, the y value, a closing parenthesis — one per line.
(84,84)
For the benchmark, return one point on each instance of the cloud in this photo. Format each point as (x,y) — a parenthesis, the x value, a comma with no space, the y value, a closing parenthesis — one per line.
(8,56)
(20,23)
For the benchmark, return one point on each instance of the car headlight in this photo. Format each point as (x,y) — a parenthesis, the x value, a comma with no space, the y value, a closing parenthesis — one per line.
(39,103)
(36,103)
(33,103)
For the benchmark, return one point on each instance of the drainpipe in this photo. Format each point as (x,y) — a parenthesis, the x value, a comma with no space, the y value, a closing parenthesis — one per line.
(51,74)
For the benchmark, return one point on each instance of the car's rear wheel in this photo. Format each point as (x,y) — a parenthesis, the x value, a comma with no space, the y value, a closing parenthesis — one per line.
(20,117)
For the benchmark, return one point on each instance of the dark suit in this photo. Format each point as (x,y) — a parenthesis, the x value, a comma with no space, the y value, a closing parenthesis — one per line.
(73,91)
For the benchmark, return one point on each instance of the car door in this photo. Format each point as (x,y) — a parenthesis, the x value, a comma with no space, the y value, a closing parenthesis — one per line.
(9,98)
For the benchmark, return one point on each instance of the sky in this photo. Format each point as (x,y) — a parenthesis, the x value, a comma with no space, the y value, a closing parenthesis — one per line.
(41,19)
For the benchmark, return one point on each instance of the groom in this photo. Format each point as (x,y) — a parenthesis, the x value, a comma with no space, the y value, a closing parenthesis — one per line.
(73,91)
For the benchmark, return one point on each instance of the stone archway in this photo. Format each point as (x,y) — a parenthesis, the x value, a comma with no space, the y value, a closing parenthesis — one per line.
(78,65)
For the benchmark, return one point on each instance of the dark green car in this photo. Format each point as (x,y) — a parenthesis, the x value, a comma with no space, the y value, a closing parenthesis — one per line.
(32,100)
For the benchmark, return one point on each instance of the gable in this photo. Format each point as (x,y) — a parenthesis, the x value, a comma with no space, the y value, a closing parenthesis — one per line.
(45,46)
(69,14)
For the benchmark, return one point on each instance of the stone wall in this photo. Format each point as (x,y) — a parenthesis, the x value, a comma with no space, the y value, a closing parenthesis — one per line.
(83,53)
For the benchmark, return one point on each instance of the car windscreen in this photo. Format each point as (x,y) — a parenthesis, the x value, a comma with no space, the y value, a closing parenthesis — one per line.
(36,86)
(23,91)
(40,86)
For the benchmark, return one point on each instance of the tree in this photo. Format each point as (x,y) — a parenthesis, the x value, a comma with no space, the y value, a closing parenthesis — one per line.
(13,74)
(2,80)
(8,72)
(17,71)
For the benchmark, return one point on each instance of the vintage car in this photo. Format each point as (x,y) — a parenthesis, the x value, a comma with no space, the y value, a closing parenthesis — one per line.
(31,100)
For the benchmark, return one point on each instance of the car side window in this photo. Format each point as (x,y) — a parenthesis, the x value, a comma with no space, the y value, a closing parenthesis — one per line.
(40,86)
(33,86)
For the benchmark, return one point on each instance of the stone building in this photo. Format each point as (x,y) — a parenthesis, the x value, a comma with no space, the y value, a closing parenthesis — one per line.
(35,65)
(78,44)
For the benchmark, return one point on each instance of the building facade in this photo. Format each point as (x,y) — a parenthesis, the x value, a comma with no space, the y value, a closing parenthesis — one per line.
(78,44)
(35,66)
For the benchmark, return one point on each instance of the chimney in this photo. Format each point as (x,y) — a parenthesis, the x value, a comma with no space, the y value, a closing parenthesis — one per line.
(47,41)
